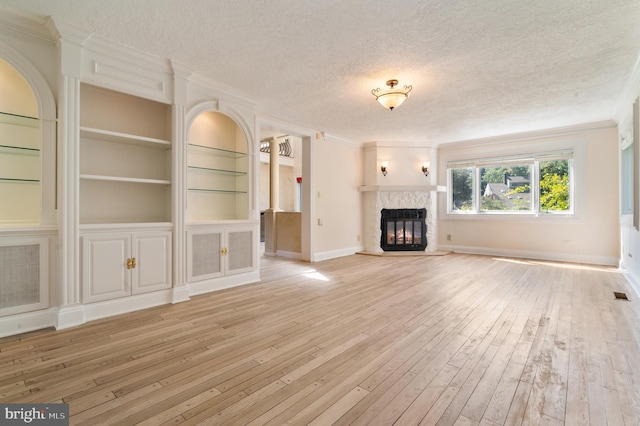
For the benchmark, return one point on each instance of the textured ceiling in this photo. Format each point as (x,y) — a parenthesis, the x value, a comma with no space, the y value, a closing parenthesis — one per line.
(478,68)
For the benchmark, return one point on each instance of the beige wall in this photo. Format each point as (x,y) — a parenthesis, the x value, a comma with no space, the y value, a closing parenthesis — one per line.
(590,236)
(338,174)
(16,96)
(288,238)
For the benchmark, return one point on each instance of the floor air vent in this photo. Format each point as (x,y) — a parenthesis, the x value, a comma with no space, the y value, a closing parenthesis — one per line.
(621,296)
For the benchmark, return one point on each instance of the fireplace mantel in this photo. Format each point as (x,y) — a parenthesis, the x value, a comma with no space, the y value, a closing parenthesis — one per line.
(378,197)
(390,188)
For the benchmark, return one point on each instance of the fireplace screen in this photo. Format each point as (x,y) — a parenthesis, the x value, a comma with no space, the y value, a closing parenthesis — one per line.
(403,229)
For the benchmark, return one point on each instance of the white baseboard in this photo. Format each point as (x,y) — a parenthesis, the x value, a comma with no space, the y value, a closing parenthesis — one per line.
(70,316)
(289,254)
(74,315)
(539,255)
(332,254)
(29,321)
(124,305)
(632,279)
(214,284)
(180,294)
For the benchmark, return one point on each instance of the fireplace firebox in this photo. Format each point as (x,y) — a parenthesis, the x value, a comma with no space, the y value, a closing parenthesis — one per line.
(403,229)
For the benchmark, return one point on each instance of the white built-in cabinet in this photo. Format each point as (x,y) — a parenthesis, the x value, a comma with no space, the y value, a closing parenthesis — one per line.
(125,189)
(24,242)
(222,250)
(23,260)
(123,264)
(217,169)
(221,241)
(111,189)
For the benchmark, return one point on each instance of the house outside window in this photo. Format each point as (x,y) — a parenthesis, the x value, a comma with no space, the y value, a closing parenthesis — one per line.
(526,184)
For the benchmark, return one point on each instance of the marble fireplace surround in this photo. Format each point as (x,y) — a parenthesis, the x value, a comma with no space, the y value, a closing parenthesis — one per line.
(376,198)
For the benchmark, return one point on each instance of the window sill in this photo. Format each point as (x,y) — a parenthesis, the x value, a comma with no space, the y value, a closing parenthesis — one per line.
(513,217)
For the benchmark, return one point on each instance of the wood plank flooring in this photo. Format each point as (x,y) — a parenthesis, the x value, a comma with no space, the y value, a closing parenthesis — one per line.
(359,340)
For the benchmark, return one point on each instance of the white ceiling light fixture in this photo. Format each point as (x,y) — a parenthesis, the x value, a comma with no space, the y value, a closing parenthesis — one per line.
(393,96)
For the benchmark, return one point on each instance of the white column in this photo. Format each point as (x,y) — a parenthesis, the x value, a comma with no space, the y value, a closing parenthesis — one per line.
(70,45)
(274,172)
(179,180)
(270,229)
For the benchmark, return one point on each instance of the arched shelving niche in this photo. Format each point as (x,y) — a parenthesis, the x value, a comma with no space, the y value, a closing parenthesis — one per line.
(217,169)
(27,191)
(20,150)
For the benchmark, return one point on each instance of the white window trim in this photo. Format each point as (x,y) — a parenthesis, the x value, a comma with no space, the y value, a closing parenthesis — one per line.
(534,160)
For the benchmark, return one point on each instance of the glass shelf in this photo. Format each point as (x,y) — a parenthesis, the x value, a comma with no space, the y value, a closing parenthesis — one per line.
(19,180)
(220,152)
(19,120)
(219,171)
(217,191)
(21,149)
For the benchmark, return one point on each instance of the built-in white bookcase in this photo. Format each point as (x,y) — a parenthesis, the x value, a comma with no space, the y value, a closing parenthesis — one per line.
(125,158)
(20,169)
(217,170)
(125,194)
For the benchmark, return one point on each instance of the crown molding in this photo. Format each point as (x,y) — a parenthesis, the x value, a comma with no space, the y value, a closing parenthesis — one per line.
(68,33)
(533,135)
(342,140)
(26,27)
(127,55)
(627,97)
(220,92)
(399,144)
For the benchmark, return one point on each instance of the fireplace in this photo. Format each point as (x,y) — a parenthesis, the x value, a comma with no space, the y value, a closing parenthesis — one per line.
(403,229)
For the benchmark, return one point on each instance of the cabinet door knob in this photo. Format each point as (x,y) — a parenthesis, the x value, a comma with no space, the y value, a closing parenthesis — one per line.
(129,263)
(133,263)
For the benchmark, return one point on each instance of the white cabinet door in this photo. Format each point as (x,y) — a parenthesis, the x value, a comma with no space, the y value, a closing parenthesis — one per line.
(240,256)
(152,254)
(104,262)
(24,274)
(121,264)
(204,254)
(221,250)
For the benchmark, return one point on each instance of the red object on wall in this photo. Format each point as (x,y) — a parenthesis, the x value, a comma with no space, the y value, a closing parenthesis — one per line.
(299,179)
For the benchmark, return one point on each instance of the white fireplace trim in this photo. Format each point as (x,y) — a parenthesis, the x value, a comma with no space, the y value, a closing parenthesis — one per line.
(374,200)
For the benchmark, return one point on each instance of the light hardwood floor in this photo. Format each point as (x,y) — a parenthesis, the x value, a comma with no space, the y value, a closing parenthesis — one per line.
(362,340)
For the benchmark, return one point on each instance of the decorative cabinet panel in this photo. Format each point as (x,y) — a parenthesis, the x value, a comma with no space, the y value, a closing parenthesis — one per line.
(121,264)
(219,251)
(105,273)
(151,269)
(24,270)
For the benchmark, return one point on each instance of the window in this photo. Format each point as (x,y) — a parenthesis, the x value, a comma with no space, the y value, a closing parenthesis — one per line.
(526,184)
(462,189)
(626,175)
(505,188)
